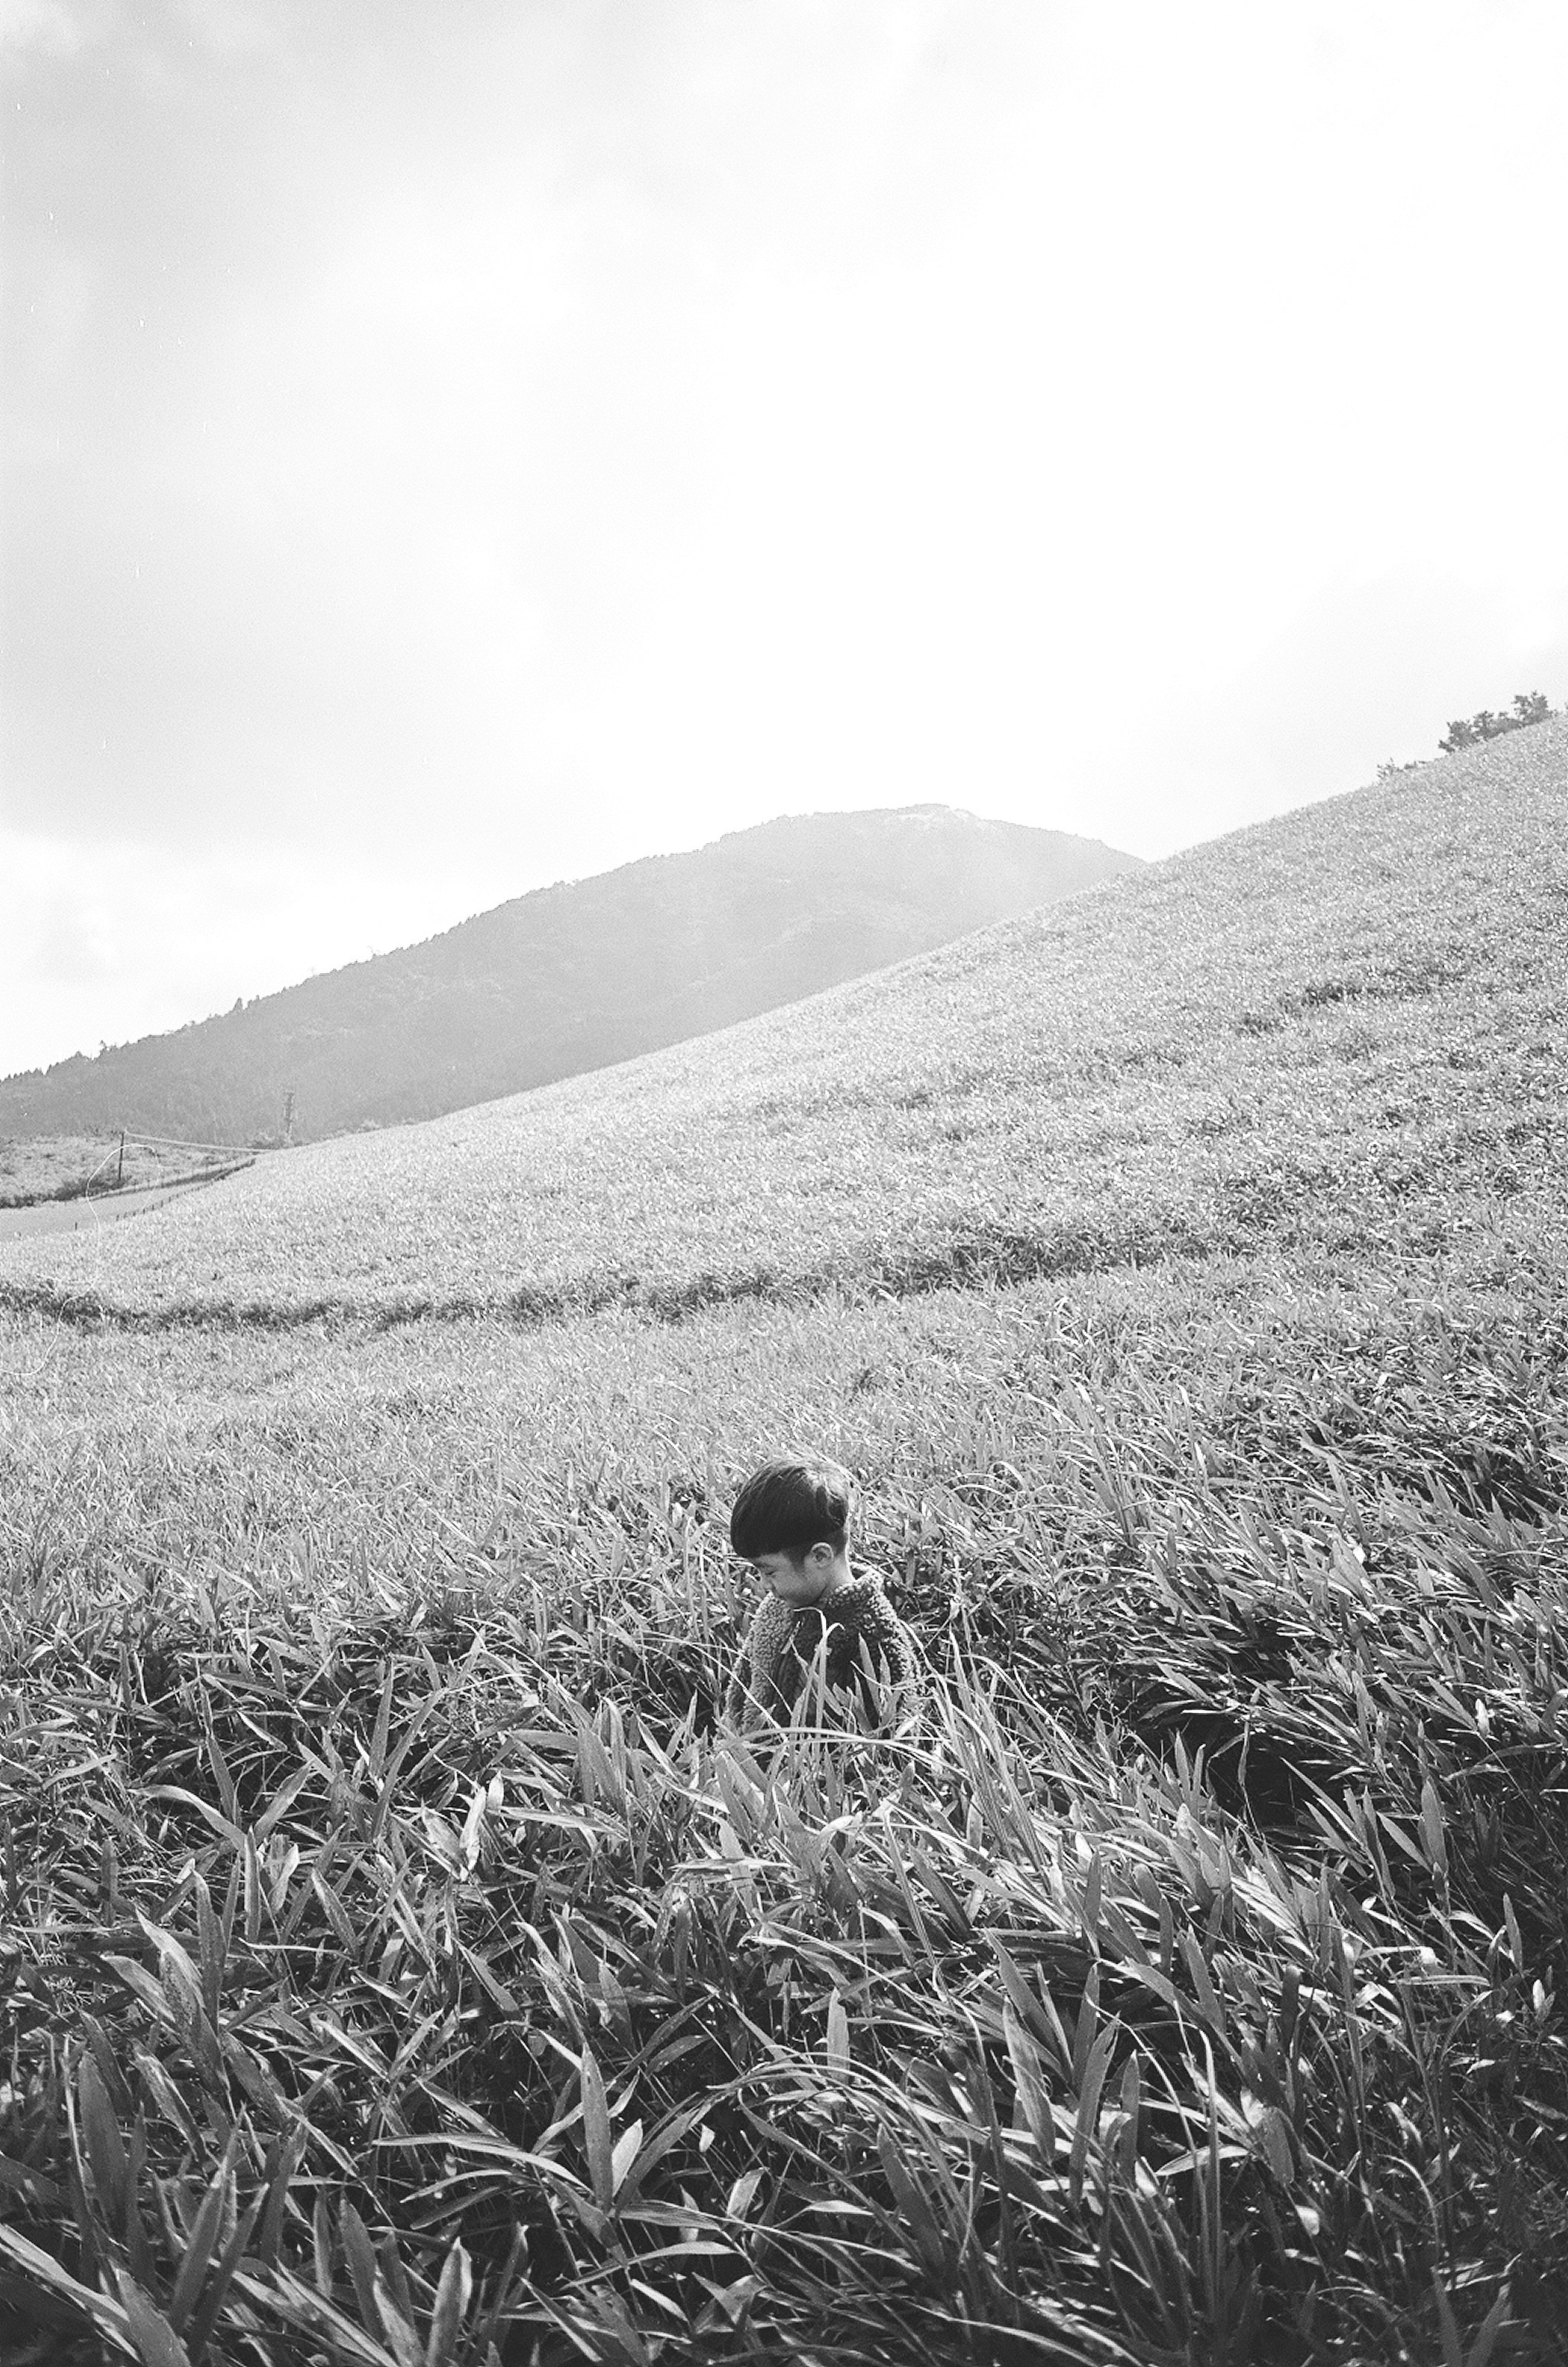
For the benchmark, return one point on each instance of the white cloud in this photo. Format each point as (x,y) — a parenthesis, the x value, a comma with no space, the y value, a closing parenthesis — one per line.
(60,29)
(514,441)
(156,939)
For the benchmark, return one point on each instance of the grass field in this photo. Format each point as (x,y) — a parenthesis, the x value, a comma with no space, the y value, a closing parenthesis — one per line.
(1356,1011)
(401,1965)
(57,1167)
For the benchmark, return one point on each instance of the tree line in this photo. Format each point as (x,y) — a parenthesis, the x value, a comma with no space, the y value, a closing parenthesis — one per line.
(1529,706)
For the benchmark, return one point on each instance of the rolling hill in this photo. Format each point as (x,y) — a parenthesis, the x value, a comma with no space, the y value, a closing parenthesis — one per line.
(1184,1275)
(1337,1020)
(572,977)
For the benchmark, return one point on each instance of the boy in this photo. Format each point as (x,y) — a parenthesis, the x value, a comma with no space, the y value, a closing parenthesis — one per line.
(791,1521)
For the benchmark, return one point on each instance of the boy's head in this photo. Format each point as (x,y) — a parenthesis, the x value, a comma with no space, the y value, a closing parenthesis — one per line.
(792,1519)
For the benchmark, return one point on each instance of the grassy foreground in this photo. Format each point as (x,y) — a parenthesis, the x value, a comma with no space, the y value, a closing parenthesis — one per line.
(400,1967)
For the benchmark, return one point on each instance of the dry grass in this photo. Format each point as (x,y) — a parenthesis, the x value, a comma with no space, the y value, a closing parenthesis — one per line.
(60,1167)
(401,1964)
(1349,1020)
(401,1967)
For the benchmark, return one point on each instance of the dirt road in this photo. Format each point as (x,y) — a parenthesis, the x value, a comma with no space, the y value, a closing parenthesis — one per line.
(87,1216)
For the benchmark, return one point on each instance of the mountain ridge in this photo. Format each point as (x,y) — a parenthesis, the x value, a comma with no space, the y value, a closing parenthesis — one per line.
(1344,1022)
(574,977)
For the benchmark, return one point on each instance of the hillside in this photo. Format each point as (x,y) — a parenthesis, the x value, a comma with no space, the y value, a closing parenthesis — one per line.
(1335,1020)
(572,978)
(405,1963)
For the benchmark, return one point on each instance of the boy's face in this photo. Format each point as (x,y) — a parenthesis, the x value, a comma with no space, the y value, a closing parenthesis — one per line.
(799,1582)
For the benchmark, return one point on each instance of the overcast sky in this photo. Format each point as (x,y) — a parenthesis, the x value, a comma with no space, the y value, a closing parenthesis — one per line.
(451,449)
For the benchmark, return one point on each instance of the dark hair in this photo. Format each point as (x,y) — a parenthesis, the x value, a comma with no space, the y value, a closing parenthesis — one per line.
(789,1506)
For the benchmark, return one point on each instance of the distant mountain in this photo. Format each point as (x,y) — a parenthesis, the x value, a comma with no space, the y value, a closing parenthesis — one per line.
(574,978)
(1335,1037)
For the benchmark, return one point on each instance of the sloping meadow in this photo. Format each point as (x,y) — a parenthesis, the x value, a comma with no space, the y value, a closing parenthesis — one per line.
(1340,1021)
(401,1967)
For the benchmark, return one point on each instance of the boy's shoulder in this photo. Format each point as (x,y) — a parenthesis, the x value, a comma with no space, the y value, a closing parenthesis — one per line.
(866,1590)
(770,1617)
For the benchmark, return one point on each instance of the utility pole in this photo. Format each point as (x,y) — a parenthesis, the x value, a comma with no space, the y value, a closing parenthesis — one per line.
(289,1119)
(119,1171)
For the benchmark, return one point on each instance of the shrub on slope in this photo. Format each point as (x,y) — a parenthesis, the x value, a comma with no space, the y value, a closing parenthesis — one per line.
(1345,1019)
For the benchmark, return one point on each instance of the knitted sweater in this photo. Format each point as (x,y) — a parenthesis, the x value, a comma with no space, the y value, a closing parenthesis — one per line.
(782,1645)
